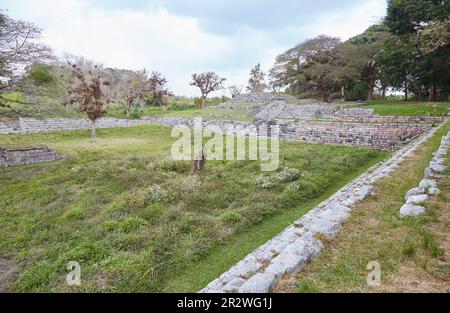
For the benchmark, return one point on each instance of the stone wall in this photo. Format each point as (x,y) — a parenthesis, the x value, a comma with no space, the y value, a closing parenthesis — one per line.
(30,125)
(13,157)
(378,136)
(259,98)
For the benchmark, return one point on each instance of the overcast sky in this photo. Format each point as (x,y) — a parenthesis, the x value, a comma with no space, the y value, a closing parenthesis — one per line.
(180,37)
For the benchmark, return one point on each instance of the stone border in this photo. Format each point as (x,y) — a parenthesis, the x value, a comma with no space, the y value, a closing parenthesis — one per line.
(290,250)
(427,186)
(22,156)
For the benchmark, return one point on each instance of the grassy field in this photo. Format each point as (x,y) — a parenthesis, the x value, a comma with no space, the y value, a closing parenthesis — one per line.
(138,221)
(402,108)
(413,253)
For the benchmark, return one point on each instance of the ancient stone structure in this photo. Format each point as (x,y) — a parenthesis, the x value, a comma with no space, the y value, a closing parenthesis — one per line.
(378,136)
(289,251)
(260,98)
(427,186)
(21,156)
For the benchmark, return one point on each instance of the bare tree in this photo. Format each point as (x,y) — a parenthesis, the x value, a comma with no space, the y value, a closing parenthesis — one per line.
(18,49)
(135,89)
(207,82)
(157,88)
(85,91)
(235,90)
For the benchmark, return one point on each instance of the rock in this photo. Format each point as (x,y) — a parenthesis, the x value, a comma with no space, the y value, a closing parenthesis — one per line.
(258,283)
(286,262)
(234,285)
(324,226)
(434,191)
(247,266)
(416,199)
(438,168)
(335,212)
(414,192)
(411,210)
(428,183)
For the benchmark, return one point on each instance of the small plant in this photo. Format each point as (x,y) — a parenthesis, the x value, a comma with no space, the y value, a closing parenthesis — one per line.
(294,186)
(287,175)
(264,182)
(409,248)
(190,185)
(155,193)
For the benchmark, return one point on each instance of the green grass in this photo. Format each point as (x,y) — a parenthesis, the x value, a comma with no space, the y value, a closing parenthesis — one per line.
(402,108)
(138,221)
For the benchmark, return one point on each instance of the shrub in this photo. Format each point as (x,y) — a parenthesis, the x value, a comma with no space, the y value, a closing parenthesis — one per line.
(287,175)
(135,114)
(295,186)
(189,185)
(264,182)
(155,193)
(168,164)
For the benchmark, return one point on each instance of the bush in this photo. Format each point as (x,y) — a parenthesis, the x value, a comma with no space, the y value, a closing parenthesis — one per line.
(170,165)
(136,114)
(287,175)
(356,91)
(264,182)
(155,193)
(198,102)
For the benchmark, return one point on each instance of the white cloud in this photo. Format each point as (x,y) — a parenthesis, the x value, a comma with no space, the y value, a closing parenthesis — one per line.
(348,23)
(177,46)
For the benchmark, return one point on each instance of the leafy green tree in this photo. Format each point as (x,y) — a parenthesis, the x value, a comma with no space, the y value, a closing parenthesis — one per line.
(406,17)
(363,54)
(257,82)
(40,74)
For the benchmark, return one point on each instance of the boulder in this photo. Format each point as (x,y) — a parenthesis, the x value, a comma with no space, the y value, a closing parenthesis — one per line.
(417,199)
(411,210)
(414,192)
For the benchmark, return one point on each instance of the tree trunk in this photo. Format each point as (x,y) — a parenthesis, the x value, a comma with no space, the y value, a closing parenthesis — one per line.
(383,94)
(203,102)
(432,94)
(370,87)
(343,92)
(406,93)
(93,130)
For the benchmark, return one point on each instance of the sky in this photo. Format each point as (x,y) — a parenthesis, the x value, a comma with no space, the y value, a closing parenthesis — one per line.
(181,37)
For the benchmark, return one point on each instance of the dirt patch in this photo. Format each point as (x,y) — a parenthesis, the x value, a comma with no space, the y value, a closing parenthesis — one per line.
(8,273)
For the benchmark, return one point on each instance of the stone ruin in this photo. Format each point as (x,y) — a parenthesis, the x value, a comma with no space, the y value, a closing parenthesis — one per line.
(22,156)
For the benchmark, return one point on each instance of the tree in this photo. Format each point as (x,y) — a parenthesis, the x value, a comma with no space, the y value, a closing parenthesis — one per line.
(256,82)
(406,17)
(422,29)
(135,88)
(157,88)
(207,82)
(314,67)
(18,49)
(235,90)
(86,91)
(364,53)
